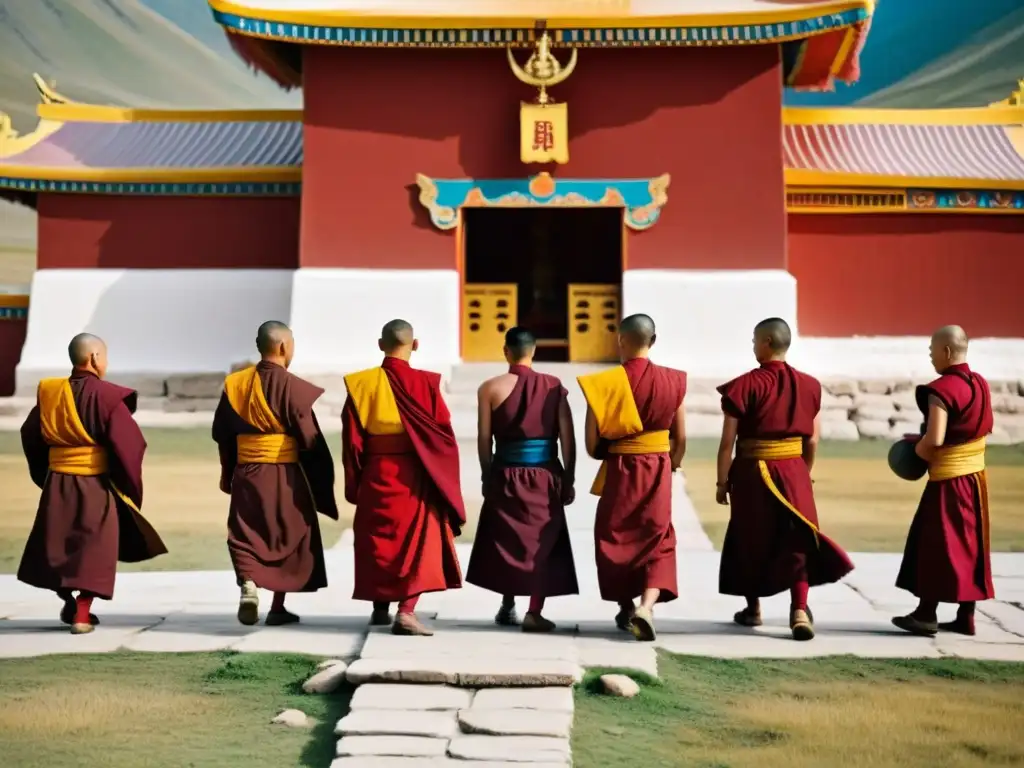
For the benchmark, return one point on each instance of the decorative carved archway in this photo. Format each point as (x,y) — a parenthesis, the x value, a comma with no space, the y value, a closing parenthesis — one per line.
(640,199)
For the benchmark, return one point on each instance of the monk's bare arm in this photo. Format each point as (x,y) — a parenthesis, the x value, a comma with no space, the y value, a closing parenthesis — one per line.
(484,436)
(935,435)
(730,426)
(567,440)
(677,437)
(811,443)
(592,438)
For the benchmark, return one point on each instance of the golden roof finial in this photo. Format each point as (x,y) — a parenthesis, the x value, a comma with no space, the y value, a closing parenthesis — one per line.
(47,91)
(542,70)
(1015,99)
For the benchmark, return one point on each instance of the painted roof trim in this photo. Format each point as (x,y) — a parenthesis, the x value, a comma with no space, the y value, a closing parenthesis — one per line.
(99,113)
(997,114)
(524,14)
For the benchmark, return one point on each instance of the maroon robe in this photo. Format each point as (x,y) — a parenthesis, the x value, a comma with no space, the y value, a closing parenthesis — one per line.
(767,547)
(82,528)
(273,532)
(635,542)
(407,492)
(522,544)
(947,557)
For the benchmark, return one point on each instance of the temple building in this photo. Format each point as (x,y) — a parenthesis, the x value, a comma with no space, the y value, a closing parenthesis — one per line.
(554,163)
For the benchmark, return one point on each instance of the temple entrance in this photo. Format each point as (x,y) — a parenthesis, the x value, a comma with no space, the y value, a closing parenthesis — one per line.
(556,271)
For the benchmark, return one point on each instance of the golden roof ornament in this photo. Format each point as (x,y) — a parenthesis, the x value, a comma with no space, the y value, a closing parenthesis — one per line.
(542,70)
(1015,99)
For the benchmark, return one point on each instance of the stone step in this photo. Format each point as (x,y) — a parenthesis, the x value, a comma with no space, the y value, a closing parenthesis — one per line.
(495,672)
(368,761)
(515,722)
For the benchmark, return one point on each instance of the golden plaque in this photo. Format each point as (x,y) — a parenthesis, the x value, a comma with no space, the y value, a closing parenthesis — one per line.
(543,124)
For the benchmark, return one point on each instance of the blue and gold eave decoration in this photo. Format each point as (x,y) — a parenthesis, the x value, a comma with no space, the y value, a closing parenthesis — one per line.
(13,306)
(640,199)
(169,189)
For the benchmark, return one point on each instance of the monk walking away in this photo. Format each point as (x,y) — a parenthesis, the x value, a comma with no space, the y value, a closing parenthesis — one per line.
(84,451)
(402,474)
(636,425)
(773,542)
(947,556)
(522,544)
(277,468)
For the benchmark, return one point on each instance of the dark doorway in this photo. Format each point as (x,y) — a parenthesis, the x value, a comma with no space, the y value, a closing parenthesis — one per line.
(543,251)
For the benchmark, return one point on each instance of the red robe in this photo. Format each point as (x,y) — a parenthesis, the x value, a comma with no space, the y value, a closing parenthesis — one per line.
(406,489)
(273,534)
(767,546)
(635,542)
(947,557)
(83,526)
(522,544)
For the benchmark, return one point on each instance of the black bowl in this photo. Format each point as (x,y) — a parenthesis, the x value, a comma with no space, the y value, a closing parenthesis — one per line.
(905,463)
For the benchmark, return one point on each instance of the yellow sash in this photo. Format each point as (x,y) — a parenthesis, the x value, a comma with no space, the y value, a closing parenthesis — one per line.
(72,449)
(245,394)
(958,460)
(374,402)
(611,399)
(769,450)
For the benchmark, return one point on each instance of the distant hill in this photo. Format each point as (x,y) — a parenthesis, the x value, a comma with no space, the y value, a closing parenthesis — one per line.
(123,52)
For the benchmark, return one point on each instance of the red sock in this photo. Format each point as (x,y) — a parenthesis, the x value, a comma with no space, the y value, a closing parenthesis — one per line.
(925,610)
(798,596)
(277,604)
(408,605)
(536,605)
(82,606)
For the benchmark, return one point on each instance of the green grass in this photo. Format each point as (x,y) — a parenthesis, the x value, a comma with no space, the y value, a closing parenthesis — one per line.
(718,713)
(134,710)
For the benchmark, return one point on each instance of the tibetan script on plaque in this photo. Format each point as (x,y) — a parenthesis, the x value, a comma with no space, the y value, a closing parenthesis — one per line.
(544,133)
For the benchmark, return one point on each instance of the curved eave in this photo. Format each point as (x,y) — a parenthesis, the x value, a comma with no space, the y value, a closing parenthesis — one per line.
(97,113)
(798,177)
(994,115)
(155,175)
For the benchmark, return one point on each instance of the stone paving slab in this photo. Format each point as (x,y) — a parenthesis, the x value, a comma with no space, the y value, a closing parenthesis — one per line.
(426,698)
(391,746)
(465,673)
(549,699)
(437,762)
(368,722)
(519,749)
(516,722)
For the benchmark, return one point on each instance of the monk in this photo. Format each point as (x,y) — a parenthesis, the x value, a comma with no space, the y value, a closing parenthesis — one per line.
(402,473)
(84,451)
(947,557)
(773,543)
(522,544)
(636,424)
(276,466)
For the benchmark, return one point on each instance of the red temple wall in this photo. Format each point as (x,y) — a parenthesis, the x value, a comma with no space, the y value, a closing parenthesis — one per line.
(12,339)
(906,275)
(113,231)
(710,117)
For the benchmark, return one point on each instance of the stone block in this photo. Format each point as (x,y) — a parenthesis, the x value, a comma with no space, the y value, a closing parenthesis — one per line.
(862,400)
(373,761)
(1012,424)
(513,749)
(836,403)
(545,699)
(146,386)
(198,385)
(620,685)
(1019,389)
(876,386)
(327,680)
(873,429)
(190,404)
(1006,403)
(516,722)
(840,387)
(391,746)
(150,404)
(874,413)
(466,673)
(901,427)
(1000,436)
(906,402)
(904,385)
(293,718)
(377,696)
(839,430)
(369,722)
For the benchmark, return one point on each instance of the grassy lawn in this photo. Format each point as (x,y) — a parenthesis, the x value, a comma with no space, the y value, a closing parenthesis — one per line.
(126,710)
(183,502)
(861,503)
(844,711)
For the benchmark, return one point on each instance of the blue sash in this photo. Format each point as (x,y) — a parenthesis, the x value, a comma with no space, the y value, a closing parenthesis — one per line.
(529,453)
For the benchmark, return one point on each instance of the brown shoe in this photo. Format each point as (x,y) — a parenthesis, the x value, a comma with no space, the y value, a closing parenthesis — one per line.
(535,623)
(623,618)
(408,624)
(507,617)
(642,625)
(961,626)
(67,615)
(82,629)
(280,618)
(800,625)
(910,623)
(748,618)
(249,604)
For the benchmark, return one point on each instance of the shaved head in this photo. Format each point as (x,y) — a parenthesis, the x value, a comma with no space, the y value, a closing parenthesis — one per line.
(638,331)
(519,344)
(84,346)
(948,347)
(775,332)
(397,335)
(271,335)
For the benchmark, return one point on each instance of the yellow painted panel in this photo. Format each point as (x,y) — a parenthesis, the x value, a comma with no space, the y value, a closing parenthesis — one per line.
(488,311)
(593,323)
